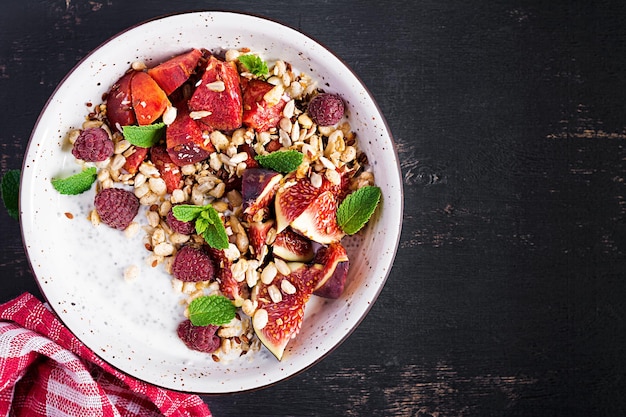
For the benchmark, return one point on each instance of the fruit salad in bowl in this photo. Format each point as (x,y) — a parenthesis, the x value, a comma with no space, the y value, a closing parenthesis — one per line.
(239,205)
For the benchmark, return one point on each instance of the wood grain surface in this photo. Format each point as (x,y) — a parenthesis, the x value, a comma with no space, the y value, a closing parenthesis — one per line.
(507,294)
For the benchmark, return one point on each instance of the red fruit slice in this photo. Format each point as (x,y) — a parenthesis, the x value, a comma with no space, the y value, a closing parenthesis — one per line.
(225,106)
(149,101)
(257,112)
(119,103)
(173,73)
(318,221)
(285,317)
(258,187)
(292,198)
(135,159)
(170,172)
(224,275)
(291,246)
(185,141)
(336,264)
(257,234)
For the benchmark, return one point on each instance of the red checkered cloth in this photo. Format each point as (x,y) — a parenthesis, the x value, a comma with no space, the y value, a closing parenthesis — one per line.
(46,371)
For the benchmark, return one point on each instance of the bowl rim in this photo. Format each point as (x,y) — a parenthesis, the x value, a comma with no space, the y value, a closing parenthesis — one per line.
(387,129)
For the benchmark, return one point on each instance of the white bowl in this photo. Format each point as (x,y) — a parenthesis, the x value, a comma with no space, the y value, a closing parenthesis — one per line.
(131,325)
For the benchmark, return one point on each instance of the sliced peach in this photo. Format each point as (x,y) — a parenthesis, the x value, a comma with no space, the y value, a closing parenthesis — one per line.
(173,73)
(149,101)
(119,104)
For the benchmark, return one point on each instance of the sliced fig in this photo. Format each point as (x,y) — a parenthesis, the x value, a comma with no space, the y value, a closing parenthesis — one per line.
(335,262)
(224,276)
(218,96)
(259,113)
(185,141)
(293,247)
(173,73)
(257,235)
(258,188)
(149,101)
(292,198)
(170,172)
(285,316)
(318,221)
(119,103)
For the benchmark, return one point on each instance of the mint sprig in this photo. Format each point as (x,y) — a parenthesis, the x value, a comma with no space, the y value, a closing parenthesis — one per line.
(357,208)
(208,310)
(281,161)
(11,191)
(77,183)
(254,64)
(208,224)
(144,136)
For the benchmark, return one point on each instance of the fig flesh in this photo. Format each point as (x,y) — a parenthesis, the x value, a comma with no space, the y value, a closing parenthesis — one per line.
(284,317)
(292,198)
(293,247)
(335,262)
(318,221)
(258,188)
(257,235)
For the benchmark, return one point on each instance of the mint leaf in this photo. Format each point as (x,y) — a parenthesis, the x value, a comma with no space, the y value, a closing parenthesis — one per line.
(357,208)
(208,223)
(208,310)
(254,64)
(187,212)
(11,191)
(77,183)
(144,136)
(281,161)
(215,233)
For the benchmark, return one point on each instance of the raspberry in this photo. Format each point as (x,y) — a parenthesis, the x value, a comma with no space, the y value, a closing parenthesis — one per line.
(93,145)
(191,265)
(201,338)
(116,207)
(326,109)
(178,226)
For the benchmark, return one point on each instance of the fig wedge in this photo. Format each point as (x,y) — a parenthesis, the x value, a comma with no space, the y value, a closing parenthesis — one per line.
(284,317)
(293,247)
(293,197)
(258,188)
(336,264)
(257,235)
(318,221)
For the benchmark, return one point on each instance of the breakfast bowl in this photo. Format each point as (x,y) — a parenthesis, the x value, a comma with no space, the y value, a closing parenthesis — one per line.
(130,319)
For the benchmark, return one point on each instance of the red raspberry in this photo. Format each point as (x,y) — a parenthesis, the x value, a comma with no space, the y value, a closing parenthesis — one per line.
(93,145)
(202,338)
(116,207)
(326,109)
(191,265)
(184,228)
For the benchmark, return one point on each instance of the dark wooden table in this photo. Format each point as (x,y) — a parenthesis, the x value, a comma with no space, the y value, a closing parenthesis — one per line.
(508,293)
